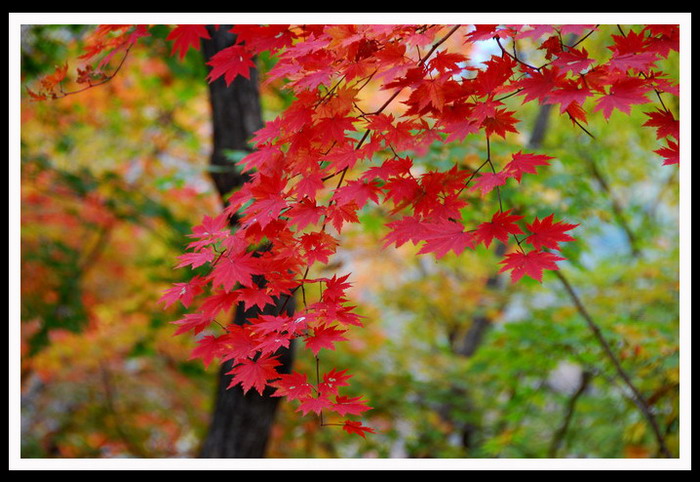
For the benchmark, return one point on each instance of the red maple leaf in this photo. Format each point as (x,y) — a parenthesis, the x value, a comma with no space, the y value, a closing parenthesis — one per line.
(338,214)
(218,302)
(254,296)
(357,191)
(254,373)
(664,122)
(502,225)
(357,428)
(402,191)
(230,63)
(486,32)
(318,246)
(522,163)
(265,324)
(264,154)
(333,128)
(333,380)
(352,405)
(308,185)
(531,264)
(488,181)
(670,153)
(442,237)
(448,61)
(305,212)
(538,85)
(324,338)
(209,347)
(258,38)
(195,259)
(294,386)
(622,95)
(500,123)
(567,92)
(576,113)
(183,292)
(240,343)
(573,60)
(196,322)
(209,231)
(314,404)
(335,288)
(546,234)
(270,343)
(185,37)
(234,269)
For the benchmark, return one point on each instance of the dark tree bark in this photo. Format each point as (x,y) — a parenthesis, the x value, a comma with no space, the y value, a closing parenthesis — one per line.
(240,424)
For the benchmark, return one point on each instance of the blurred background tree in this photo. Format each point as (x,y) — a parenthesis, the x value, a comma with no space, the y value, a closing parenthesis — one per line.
(457,361)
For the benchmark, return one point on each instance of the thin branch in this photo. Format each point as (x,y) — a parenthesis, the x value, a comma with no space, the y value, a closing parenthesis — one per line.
(636,395)
(618,211)
(514,57)
(439,42)
(584,37)
(560,433)
(101,82)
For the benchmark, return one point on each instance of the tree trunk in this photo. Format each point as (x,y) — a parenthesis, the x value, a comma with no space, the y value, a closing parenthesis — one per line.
(240,424)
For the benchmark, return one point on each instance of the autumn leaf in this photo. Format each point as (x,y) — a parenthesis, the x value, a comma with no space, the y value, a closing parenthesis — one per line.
(573,60)
(185,37)
(253,297)
(567,93)
(539,84)
(546,234)
(531,264)
(254,373)
(670,153)
(443,237)
(183,292)
(305,212)
(622,95)
(231,270)
(195,259)
(294,386)
(489,181)
(501,226)
(356,428)
(664,122)
(313,404)
(324,337)
(208,348)
(240,343)
(523,163)
(349,405)
(359,192)
(271,343)
(230,63)
(500,123)
(258,38)
(332,381)
(448,61)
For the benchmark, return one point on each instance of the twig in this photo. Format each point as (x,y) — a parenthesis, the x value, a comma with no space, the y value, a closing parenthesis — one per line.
(637,397)
(568,415)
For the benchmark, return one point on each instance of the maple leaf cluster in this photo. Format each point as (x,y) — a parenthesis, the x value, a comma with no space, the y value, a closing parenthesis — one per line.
(329,154)
(323,159)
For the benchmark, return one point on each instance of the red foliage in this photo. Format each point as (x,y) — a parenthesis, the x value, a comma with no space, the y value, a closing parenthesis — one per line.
(301,193)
